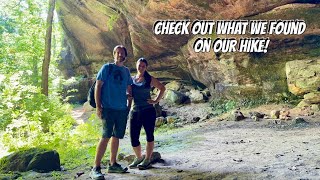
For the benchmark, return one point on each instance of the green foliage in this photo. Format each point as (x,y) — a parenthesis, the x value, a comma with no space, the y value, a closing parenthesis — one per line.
(80,147)
(56,175)
(112,20)
(10,175)
(27,115)
(168,129)
(287,98)
(223,105)
(23,47)
(163,128)
(33,120)
(252,102)
(28,118)
(22,34)
(5,25)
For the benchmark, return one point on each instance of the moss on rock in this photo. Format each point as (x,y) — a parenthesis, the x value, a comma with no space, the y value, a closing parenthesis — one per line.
(37,159)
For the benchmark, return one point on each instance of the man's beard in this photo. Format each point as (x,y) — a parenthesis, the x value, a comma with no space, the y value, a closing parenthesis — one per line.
(122,59)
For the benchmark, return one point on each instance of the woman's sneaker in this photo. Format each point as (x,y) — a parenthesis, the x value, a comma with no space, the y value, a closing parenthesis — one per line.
(145,164)
(135,162)
(96,173)
(116,168)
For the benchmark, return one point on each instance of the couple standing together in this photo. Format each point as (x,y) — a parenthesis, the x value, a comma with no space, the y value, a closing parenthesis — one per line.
(114,91)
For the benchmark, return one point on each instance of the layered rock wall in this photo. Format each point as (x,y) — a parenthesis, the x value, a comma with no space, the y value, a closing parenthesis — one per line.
(93,28)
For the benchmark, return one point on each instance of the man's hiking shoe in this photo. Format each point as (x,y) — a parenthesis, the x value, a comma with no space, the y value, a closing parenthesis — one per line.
(145,164)
(135,162)
(116,168)
(96,173)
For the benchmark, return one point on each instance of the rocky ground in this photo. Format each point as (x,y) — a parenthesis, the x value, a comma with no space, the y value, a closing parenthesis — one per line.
(218,148)
(221,148)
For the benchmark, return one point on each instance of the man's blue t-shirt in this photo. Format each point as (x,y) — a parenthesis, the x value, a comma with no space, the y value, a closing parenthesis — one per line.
(115,82)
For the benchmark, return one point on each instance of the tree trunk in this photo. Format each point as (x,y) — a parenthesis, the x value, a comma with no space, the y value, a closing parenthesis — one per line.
(47,55)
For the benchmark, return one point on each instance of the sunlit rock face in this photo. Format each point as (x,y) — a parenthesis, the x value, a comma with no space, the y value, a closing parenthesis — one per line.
(93,27)
(304,77)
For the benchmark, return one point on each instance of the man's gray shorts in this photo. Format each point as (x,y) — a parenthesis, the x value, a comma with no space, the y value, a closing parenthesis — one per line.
(114,123)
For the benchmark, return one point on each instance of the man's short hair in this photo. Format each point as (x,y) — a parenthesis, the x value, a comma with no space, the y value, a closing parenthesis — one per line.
(122,47)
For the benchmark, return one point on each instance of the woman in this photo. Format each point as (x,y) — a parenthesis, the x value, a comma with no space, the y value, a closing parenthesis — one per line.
(143,113)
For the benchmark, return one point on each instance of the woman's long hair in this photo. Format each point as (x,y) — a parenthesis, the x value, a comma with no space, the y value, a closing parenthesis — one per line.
(146,75)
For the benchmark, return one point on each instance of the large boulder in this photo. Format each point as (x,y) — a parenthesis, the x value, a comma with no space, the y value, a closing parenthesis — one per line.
(36,159)
(175,97)
(303,76)
(313,97)
(77,92)
(196,96)
(173,85)
(311,100)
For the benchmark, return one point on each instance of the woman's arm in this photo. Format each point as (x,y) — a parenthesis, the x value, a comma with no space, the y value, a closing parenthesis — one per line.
(157,84)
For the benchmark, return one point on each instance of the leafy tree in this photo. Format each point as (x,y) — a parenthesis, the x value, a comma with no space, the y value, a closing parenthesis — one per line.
(29,118)
(22,38)
(22,34)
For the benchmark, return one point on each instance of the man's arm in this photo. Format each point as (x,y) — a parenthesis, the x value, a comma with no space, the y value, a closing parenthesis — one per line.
(97,97)
(129,96)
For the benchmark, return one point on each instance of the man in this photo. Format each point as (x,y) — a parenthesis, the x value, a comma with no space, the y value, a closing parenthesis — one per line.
(112,86)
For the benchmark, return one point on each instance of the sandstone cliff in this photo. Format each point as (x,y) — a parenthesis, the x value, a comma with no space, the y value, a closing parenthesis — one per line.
(94,27)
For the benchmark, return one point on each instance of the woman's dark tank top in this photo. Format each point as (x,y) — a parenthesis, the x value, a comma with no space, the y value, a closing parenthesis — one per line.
(140,95)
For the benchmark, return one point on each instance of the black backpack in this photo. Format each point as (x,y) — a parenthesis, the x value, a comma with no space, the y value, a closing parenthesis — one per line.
(90,97)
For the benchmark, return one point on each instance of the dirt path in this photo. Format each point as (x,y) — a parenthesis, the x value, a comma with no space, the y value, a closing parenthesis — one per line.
(80,115)
(255,152)
(233,150)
